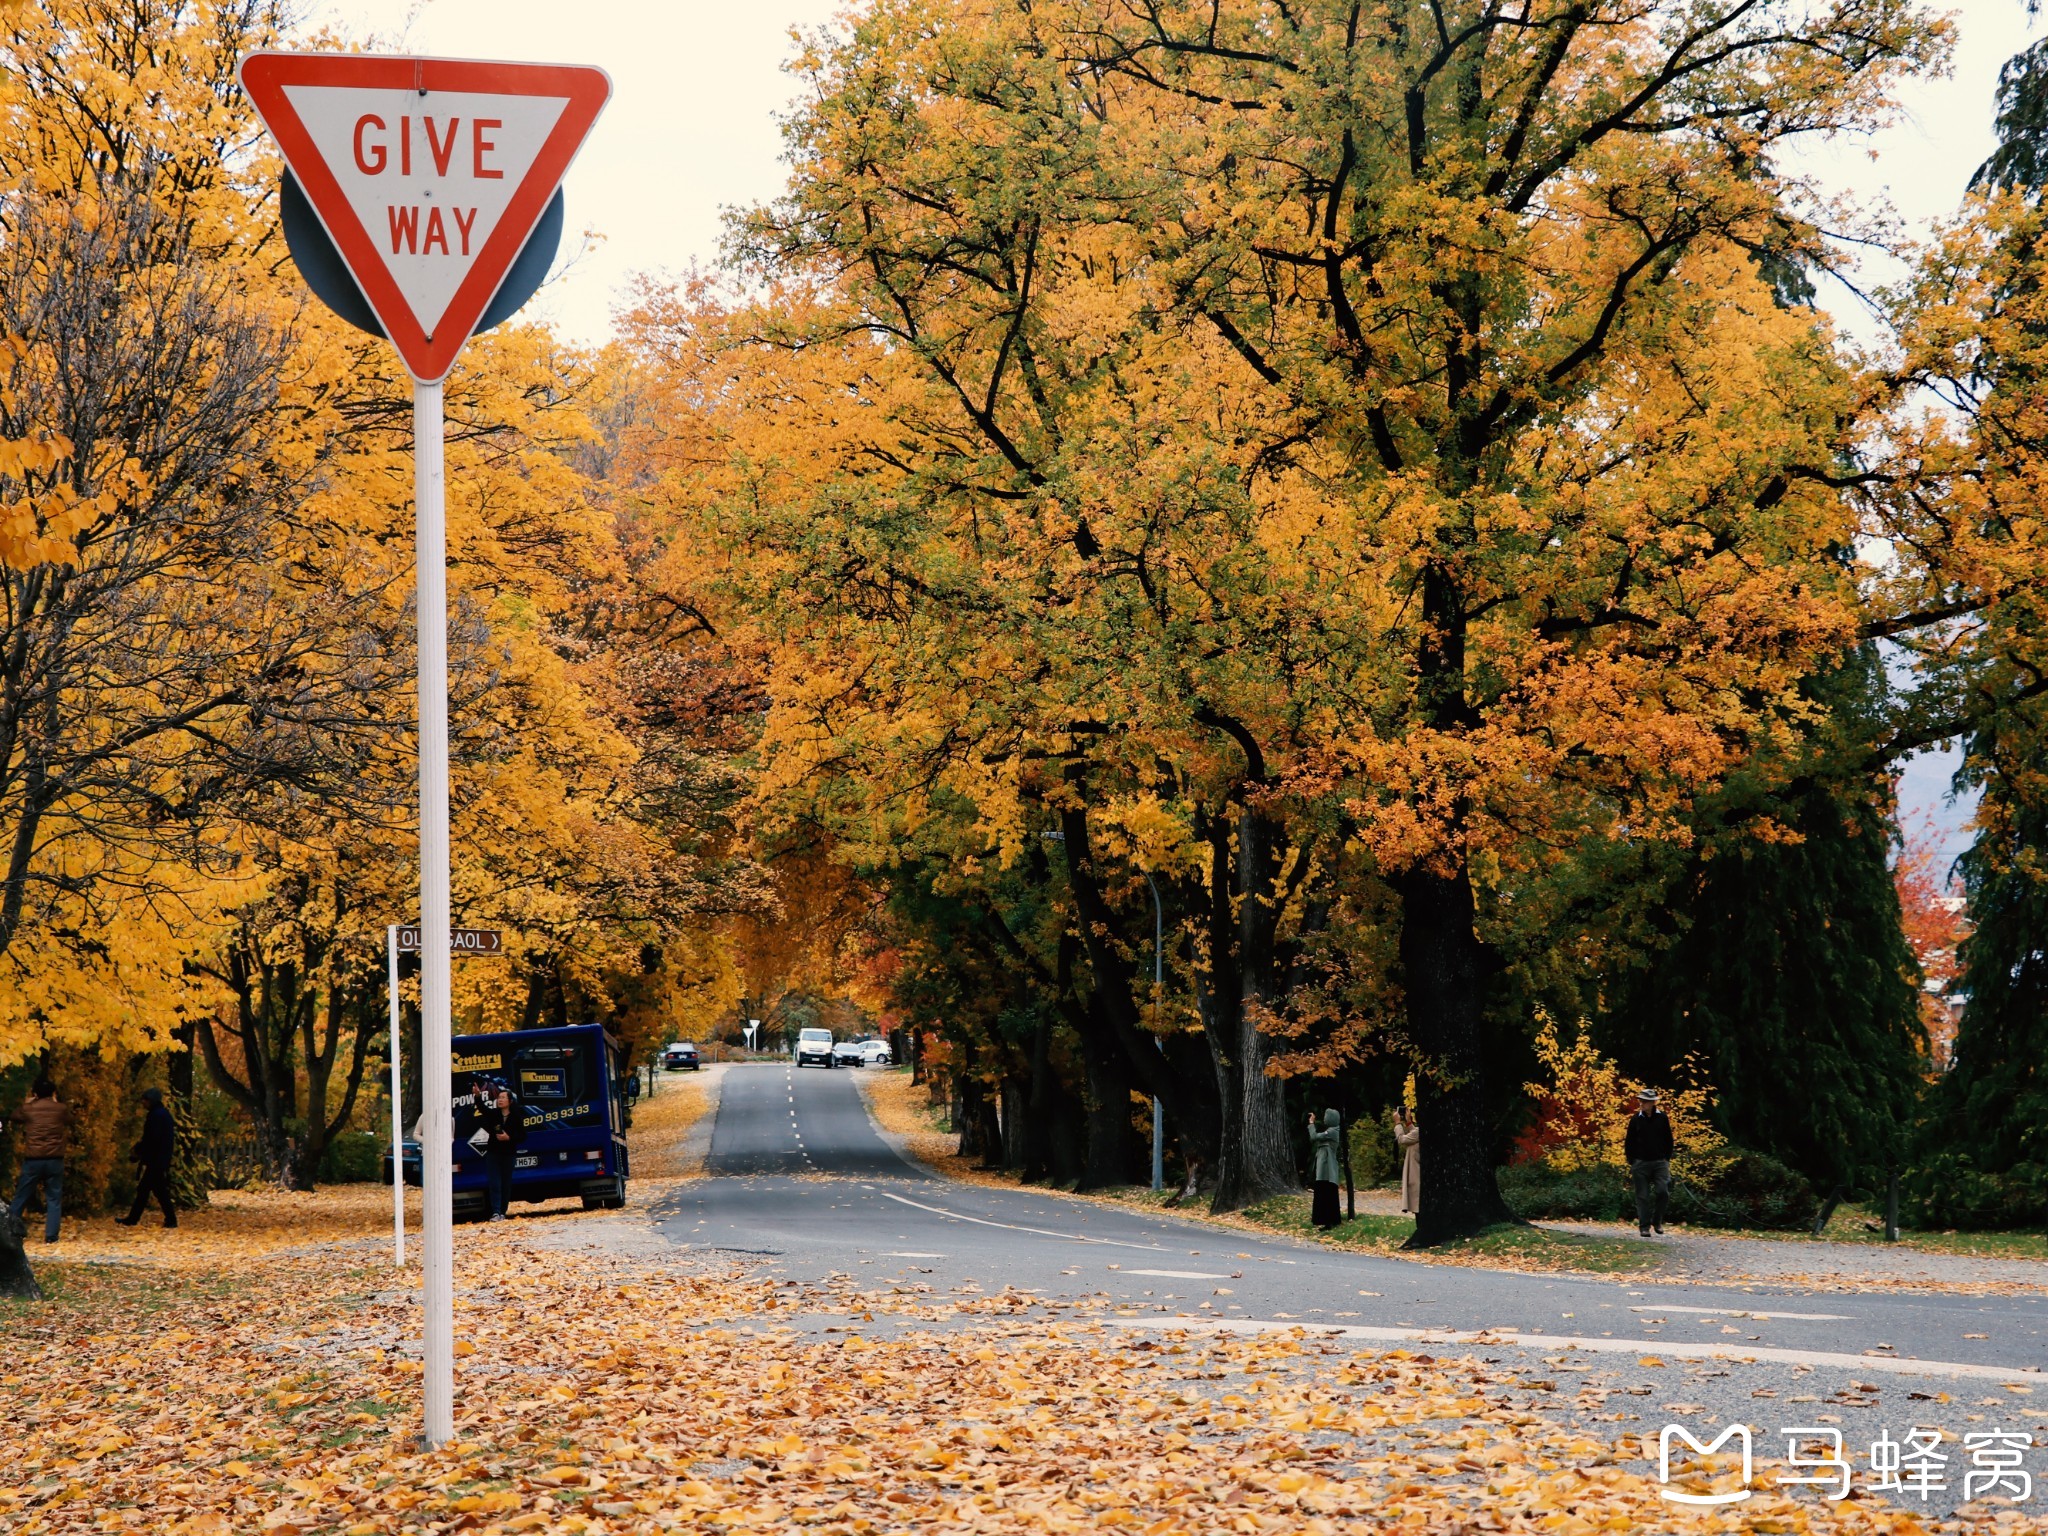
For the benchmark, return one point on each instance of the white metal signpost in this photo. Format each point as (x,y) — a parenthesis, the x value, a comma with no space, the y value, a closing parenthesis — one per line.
(428,176)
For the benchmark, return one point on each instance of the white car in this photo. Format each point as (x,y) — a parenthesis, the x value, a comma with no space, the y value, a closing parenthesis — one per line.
(814,1045)
(876,1053)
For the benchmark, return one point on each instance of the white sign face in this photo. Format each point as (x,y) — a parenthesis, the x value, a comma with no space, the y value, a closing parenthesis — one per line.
(429,177)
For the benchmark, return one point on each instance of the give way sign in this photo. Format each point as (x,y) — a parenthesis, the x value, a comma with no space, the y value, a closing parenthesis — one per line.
(428,174)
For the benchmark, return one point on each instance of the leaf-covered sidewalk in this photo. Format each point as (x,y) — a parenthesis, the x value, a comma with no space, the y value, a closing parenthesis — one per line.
(607,1383)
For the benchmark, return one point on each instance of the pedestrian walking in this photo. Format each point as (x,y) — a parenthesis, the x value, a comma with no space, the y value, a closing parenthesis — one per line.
(1408,1137)
(1323,1208)
(44,1120)
(504,1128)
(152,1157)
(1648,1150)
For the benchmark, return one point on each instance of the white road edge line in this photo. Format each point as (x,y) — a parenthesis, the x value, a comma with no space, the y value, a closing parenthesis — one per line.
(1070,1237)
(1486,1339)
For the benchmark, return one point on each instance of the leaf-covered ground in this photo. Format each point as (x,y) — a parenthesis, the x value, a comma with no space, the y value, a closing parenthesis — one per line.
(608,1382)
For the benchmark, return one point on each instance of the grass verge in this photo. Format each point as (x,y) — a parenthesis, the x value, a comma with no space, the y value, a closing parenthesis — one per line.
(1503,1247)
(901,1108)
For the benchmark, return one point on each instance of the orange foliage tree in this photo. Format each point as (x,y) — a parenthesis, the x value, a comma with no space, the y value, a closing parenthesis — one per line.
(1372,443)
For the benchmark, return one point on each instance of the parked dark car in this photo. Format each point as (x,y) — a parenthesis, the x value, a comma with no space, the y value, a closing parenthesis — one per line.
(680,1057)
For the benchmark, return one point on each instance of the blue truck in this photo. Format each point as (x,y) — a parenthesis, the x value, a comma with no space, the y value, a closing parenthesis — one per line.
(571,1085)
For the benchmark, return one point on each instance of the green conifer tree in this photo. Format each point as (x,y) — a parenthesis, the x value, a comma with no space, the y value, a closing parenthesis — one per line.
(1786,969)
(1985,1149)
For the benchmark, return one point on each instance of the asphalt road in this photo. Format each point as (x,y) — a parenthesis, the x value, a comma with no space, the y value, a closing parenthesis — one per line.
(800,1180)
(800,1173)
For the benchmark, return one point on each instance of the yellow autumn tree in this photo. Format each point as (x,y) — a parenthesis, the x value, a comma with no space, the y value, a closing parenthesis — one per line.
(211,583)
(1401,476)
(1584,1103)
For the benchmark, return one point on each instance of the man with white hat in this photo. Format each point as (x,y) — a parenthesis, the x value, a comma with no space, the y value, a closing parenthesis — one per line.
(1648,1150)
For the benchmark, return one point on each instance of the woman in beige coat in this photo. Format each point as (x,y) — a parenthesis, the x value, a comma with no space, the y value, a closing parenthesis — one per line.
(1408,1137)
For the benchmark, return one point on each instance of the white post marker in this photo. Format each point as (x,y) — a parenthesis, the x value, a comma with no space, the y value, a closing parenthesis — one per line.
(428,176)
(397,1105)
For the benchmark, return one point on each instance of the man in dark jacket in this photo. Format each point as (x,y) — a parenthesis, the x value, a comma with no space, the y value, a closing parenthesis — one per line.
(1648,1150)
(43,1122)
(152,1157)
(504,1127)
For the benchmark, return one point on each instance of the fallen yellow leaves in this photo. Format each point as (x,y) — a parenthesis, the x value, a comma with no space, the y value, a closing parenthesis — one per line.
(239,1224)
(661,1121)
(615,1388)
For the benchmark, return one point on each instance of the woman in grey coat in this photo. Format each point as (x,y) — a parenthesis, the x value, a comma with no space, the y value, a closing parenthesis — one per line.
(1329,1168)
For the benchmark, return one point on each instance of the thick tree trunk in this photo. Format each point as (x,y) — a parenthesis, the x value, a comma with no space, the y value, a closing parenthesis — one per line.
(969,1100)
(1192,1113)
(1069,1136)
(16,1278)
(1112,1144)
(179,1066)
(990,1135)
(1259,1163)
(1016,1094)
(1035,1162)
(1257,1159)
(1445,971)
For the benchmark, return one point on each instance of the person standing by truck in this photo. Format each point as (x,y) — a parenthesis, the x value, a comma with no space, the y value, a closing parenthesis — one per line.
(503,1123)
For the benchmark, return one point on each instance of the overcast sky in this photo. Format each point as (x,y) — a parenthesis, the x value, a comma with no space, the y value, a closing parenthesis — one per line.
(696,87)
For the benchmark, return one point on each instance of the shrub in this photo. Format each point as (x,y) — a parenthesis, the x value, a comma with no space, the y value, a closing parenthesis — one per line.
(1539,1192)
(1735,1187)
(1582,1113)
(190,1171)
(1375,1159)
(1947,1191)
(353,1157)
(1727,1187)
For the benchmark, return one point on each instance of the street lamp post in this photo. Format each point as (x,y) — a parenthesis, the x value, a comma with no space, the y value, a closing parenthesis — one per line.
(1158,982)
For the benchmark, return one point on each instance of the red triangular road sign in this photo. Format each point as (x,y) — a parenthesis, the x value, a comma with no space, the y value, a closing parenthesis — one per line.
(429,174)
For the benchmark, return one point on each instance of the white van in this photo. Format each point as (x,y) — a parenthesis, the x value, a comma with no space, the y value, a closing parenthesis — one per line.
(814,1045)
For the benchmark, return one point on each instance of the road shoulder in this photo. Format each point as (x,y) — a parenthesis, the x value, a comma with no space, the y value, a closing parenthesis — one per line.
(903,1118)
